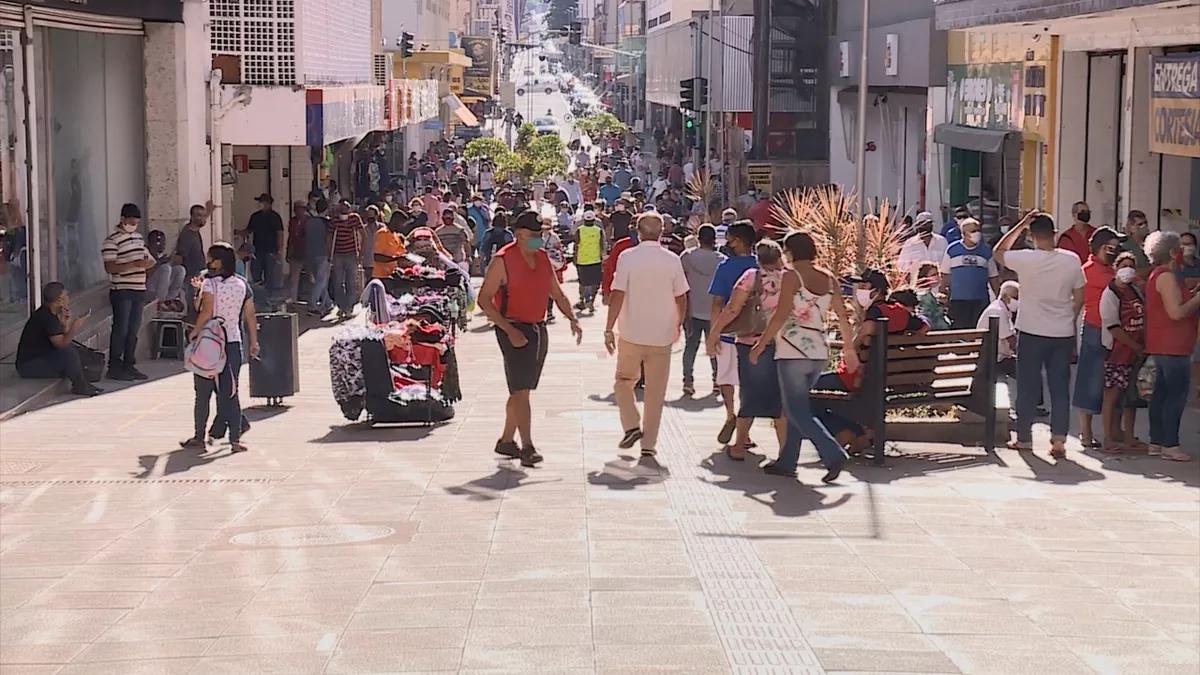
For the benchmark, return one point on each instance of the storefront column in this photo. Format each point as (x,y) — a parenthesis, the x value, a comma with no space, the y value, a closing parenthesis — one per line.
(166,128)
(33,217)
(1127,98)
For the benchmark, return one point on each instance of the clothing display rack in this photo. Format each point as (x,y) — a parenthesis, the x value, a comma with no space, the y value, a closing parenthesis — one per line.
(400,367)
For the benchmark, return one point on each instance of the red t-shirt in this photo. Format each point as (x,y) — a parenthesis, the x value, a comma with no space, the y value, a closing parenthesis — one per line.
(760,214)
(1096,277)
(525,294)
(899,320)
(609,268)
(1078,243)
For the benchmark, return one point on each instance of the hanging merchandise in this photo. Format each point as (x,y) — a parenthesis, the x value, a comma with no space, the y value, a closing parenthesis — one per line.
(401,366)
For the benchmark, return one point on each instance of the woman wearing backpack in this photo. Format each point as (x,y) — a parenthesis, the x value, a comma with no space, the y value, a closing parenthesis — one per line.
(225,301)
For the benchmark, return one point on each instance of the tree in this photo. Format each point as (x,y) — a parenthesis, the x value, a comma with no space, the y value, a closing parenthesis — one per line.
(486,148)
(525,134)
(536,157)
(600,125)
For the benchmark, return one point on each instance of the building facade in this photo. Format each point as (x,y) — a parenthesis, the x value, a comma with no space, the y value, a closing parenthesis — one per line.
(1119,101)
(103,103)
(906,77)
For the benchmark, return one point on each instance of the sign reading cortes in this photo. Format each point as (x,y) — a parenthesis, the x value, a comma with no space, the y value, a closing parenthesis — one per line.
(1175,104)
(986,95)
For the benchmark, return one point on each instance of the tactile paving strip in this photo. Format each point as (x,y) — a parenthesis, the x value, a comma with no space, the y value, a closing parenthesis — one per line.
(756,626)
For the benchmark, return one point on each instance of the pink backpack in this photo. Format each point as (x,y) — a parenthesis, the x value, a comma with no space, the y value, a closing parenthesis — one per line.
(205,356)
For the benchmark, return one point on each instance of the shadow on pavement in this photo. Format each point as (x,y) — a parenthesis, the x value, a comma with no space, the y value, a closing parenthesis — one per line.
(695,404)
(786,497)
(490,487)
(916,465)
(627,473)
(259,413)
(1060,472)
(1157,468)
(359,432)
(177,461)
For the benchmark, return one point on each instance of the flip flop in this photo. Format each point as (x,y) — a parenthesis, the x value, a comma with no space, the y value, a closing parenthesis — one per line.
(1018,445)
(730,455)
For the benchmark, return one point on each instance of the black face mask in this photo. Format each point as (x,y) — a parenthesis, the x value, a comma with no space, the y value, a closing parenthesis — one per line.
(1084,216)
(925,230)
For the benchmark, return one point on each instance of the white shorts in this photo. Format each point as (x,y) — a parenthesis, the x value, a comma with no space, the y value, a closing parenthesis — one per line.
(727,370)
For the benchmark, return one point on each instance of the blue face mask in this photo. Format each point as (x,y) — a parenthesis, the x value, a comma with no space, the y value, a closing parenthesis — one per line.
(535,243)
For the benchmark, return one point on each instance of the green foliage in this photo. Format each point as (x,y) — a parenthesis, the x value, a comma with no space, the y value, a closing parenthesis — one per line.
(535,157)
(486,147)
(601,125)
(525,135)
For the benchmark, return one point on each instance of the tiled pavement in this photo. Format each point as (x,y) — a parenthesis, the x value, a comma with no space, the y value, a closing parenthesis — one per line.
(416,550)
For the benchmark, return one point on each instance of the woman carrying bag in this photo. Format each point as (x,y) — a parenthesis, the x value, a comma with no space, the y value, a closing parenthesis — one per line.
(226,306)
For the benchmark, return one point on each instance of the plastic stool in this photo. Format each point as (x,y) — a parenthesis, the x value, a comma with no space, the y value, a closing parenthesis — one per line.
(162,348)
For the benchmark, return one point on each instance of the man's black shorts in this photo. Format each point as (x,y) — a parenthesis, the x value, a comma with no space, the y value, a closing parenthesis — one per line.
(523,366)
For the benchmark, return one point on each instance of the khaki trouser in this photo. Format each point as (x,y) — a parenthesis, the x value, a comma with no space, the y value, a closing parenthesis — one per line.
(632,359)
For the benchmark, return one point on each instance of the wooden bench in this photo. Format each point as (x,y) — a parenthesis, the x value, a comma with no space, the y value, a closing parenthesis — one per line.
(956,367)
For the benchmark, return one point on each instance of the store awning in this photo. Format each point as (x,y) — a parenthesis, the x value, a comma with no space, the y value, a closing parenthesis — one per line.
(461,110)
(971,138)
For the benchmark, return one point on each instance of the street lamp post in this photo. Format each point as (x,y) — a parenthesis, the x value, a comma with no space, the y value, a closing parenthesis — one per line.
(860,177)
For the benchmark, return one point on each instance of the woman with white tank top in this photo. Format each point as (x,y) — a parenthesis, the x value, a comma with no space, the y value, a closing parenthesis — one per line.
(802,352)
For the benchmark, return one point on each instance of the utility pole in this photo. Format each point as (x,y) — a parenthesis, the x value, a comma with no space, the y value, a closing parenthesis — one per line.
(708,115)
(696,74)
(761,74)
(860,177)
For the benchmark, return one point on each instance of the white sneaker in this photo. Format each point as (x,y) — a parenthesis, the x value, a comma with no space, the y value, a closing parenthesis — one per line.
(1154,450)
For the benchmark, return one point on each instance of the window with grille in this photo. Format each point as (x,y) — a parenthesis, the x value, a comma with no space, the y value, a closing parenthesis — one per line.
(262,33)
(383,67)
(7,40)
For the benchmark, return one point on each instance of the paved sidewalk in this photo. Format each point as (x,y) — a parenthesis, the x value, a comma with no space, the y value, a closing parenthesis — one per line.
(340,549)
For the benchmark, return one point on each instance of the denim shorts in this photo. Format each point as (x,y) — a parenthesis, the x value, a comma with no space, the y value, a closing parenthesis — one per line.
(1089,372)
(758,384)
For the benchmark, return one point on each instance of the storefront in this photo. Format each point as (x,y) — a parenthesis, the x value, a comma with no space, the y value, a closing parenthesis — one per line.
(73,123)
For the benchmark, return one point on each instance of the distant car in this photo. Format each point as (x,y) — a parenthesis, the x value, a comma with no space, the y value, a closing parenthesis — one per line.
(545,125)
(467,133)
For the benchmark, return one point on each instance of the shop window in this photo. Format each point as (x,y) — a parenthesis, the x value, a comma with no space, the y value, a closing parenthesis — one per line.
(14,259)
(95,101)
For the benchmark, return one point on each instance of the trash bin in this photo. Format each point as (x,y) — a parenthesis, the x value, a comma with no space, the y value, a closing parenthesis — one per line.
(275,374)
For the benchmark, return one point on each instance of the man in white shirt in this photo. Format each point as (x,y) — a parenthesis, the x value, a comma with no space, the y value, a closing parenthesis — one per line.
(573,189)
(689,170)
(924,246)
(649,297)
(1003,308)
(1051,296)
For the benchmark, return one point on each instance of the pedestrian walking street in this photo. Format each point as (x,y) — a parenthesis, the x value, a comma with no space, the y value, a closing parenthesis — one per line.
(336,548)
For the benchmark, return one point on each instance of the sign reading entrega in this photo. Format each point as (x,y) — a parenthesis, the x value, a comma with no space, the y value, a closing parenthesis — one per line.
(1175,104)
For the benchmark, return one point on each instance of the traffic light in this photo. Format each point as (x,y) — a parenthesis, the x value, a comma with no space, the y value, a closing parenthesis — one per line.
(503,37)
(575,34)
(406,45)
(701,91)
(689,132)
(687,94)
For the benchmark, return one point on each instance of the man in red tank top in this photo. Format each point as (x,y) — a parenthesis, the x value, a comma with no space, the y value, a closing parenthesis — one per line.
(514,296)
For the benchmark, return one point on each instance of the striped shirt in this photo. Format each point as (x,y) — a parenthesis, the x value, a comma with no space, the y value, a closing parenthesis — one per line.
(123,247)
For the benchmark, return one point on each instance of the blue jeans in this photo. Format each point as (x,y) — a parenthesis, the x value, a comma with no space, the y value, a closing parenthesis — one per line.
(796,379)
(1089,371)
(694,331)
(1053,355)
(319,295)
(1171,388)
(225,386)
(126,322)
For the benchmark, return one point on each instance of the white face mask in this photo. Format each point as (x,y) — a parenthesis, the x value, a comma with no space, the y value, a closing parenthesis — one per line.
(1013,304)
(1189,251)
(973,238)
(863,297)
(1126,275)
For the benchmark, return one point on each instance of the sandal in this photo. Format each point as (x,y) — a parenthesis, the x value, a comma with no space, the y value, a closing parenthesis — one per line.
(1113,449)
(1019,445)
(235,448)
(1058,453)
(1176,455)
(193,443)
(1090,444)
(730,455)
